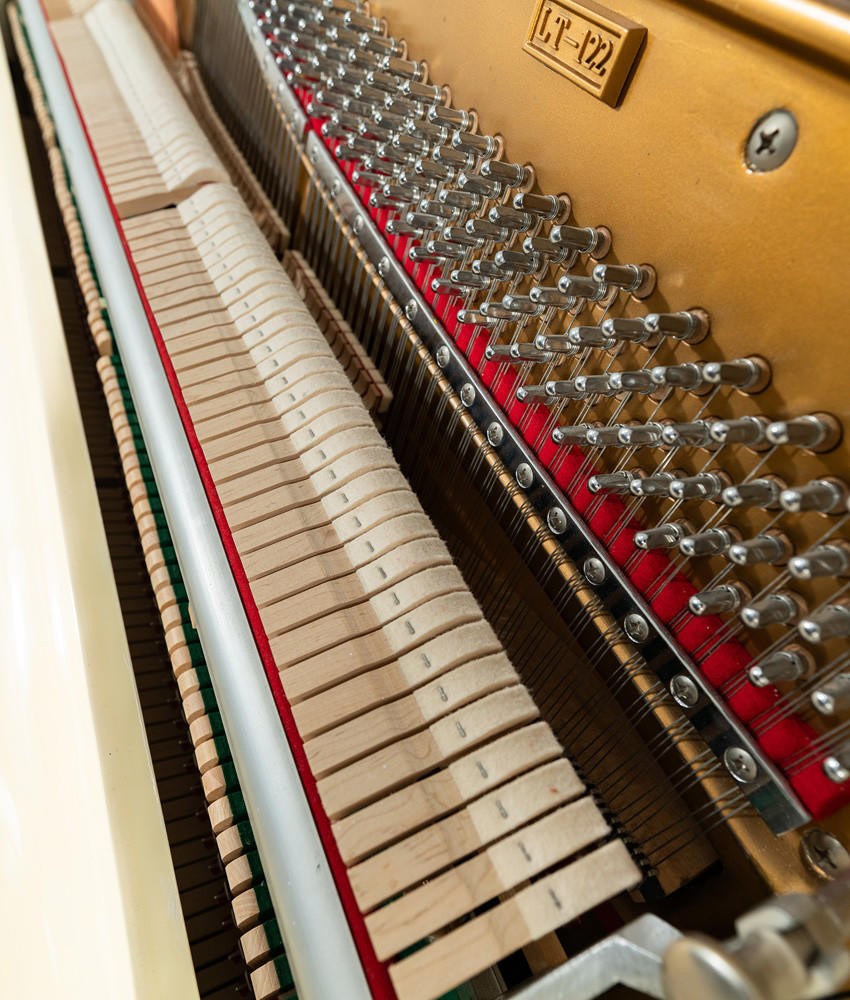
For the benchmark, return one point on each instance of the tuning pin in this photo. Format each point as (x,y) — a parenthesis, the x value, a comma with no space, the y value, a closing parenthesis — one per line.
(770,547)
(837,765)
(638,281)
(635,435)
(743,430)
(534,394)
(546,248)
(712,542)
(455,118)
(604,437)
(515,352)
(762,492)
(443,250)
(552,297)
(657,485)
(480,145)
(497,311)
(546,206)
(521,304)
(510,174)
(486,230)
(518,262)
(476,184)
(749,375)
(817,432)
(594,385)
(665,536)
(704,486)
(630,330)
(823,560)
(719,600)
(465,201)
(691,326)
(475,318)
(687,376)
(829,622)
(833,696)
(510,218)
(489,269)
(592,241)
(694,434)
(778,608)
(590,336)
(468,279)
(562,389)
(428,92)
(559,344)
(822,495)
(575,434)
(789,664)
(454,234)
(611,482)
(637,381)
(582,287)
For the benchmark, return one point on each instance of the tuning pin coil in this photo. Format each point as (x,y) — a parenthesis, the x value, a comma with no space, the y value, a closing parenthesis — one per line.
(704,486)
(763,492)
(719,600)
(778,608)
(771,547)
(691,326)
(815,432)
(636,280)
(789,664)
(829,622)
(664,536)
(611,482)
(826,496)
(712,542)
(832,559)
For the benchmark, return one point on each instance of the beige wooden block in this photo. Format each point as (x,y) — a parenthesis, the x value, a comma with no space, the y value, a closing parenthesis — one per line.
(356,696)
(549,903)
(389,723)
(449,840)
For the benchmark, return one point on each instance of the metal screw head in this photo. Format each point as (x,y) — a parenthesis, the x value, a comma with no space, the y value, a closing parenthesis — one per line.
(771,141)
(383,266)
(636,627)
(313,156)
(335,188)
(495,434)
(442,357)
(684,691)
(557,521)
(594,571)
(741,764)
(523,475)
(410,310)
(357,225)
(824,853)
(467,394)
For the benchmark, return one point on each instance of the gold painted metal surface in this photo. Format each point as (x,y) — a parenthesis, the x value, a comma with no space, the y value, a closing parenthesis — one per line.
(585,42)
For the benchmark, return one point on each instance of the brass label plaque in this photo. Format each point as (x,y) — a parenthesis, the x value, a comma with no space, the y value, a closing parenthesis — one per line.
(587,43)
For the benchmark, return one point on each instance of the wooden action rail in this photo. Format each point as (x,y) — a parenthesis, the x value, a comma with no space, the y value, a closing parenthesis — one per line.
(260,939)
(400,689)
(150,148)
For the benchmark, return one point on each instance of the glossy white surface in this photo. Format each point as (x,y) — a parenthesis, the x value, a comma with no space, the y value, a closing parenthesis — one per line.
(88,899)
